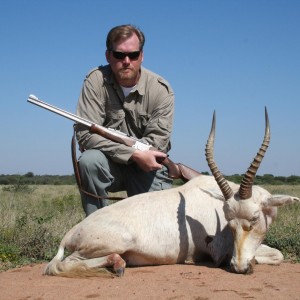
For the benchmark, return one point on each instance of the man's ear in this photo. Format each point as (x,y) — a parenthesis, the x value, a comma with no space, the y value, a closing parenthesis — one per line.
(107,55)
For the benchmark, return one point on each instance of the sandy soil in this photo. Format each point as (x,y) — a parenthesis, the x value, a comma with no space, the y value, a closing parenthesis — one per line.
(156,282)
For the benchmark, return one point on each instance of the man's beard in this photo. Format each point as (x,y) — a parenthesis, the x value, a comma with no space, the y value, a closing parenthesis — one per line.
(128,75)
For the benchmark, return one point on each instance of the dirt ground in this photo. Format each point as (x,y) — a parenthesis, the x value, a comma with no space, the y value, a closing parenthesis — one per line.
(197,282)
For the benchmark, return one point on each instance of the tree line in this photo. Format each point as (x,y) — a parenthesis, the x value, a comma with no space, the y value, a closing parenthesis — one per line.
(31,179)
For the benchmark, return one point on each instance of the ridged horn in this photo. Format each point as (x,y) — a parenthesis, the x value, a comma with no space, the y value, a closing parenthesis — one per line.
(209,153)
(245,191)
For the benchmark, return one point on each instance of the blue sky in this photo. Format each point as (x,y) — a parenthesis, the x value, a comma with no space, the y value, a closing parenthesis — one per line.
(235,57)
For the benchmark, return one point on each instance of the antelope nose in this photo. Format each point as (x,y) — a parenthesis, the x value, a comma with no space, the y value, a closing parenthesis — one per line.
(247,269)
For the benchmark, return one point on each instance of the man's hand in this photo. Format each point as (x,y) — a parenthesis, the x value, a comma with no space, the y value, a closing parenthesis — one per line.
(148,160)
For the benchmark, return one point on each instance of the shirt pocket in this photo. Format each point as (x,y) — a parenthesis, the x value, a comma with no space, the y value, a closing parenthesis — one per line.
(114,118)
(143,120)
(138,121)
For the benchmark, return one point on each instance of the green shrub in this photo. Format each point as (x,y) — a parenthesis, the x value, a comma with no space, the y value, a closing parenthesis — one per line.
(9,253)
(19,187)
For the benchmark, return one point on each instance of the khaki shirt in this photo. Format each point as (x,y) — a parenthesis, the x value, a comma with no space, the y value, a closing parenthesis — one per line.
(146,113)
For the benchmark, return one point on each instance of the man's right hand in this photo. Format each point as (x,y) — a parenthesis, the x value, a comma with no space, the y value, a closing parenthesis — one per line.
(148,160)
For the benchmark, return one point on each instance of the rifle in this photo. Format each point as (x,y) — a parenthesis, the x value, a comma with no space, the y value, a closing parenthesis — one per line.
(176,170)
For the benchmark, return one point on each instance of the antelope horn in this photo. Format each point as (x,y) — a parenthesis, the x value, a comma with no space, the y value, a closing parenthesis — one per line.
(245,191)
(209,153)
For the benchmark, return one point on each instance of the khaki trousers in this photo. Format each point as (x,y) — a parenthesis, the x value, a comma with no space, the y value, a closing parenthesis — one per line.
(100,175)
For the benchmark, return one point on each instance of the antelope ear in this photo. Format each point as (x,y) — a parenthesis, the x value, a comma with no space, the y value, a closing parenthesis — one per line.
(279,200)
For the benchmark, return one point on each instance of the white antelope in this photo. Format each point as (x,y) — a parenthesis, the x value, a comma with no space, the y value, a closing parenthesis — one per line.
(206,217)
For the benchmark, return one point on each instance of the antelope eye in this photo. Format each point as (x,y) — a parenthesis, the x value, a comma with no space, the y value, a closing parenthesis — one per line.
(254,219)
(247,226)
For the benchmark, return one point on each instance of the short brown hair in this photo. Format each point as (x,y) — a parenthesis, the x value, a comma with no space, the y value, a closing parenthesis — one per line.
(124,32)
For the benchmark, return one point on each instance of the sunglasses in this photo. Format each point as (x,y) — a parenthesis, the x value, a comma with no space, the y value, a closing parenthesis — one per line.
(131,55)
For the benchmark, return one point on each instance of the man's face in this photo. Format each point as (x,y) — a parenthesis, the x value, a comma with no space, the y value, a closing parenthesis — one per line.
(126,69)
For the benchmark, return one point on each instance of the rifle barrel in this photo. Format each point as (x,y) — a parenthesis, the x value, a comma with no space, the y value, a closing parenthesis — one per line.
(34,100)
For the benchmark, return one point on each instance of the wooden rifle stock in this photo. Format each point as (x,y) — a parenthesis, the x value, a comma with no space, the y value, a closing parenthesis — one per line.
(178,170)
